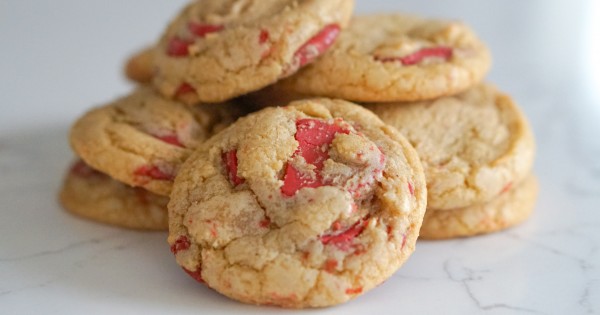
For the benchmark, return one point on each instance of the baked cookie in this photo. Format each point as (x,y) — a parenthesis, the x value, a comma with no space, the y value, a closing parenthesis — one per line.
(216,50)
(509,209)
(307,205)
(386,58)
(473,145)
(139,67)
(93,195)
(142,139)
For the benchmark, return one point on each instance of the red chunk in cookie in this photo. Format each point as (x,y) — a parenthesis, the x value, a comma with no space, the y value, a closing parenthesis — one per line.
(313,48)
(178,47)
(314,137)
(263,37)
(182,243)
(231,165)
(203,29)
(197,275)
(317,45)
(418,56)
(153,172)
(411,189)
(342,240)
(351,291)
(171,139)
(184,89)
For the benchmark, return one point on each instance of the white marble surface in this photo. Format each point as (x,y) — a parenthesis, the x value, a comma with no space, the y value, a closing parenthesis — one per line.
(60,57)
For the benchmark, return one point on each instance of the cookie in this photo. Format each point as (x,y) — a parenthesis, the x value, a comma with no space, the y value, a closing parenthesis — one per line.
(308,205)
(388,58)
(507,210)
(216,50)
(473,145)
(139,67)
(142,139)
(93,195)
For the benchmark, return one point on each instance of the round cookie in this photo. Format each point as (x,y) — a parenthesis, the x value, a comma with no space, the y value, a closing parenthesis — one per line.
(387,58)
(473,145)
(307,205)
(142,139)
(509,209)
(216,50)
(93,195)
(139,67)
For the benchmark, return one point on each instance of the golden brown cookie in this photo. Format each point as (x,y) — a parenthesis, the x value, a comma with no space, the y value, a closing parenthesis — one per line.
(139,67)
(507,210)
(308,205)
(473,145)
(216,50)
(95,196)
(142,139)
(394,57)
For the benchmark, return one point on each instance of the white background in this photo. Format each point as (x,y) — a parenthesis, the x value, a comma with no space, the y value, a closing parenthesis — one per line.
(58,58)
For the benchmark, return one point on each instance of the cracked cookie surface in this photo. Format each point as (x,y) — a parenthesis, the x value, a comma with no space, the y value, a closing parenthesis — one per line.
(386,58)
(307,205)
(142,139)
(473,145)
(95,196)
(217,50)
(506,210)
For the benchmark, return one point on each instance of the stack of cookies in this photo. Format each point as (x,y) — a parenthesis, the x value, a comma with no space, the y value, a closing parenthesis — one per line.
(276,190)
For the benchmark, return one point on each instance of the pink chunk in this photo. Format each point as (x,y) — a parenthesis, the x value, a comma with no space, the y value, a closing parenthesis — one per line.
(343,240)
(313,48)
(314,138)
(317,45)
(418,56)
(264,37)
(184,89)
(231,165)
(182,243)
(197,275)
(153,172)
(202,29)
(171,139)
(178,47)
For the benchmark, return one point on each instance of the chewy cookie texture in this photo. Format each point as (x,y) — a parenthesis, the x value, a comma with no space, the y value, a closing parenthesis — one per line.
(290,195)
(308,205)
(216,50)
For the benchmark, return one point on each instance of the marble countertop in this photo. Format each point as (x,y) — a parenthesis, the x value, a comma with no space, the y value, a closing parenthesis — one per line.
(61,57)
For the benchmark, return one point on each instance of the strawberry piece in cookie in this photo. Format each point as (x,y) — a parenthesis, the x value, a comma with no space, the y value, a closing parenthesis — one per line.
(312,49)
(171,139)
(344,239)
(417,57)
(202,29)
(197,275)
(182,243)
(314,138)
(153,172)
(178,47)
(231,165)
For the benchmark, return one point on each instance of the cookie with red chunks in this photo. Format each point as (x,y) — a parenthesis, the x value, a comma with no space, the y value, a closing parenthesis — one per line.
(216,50)
(473,145)
(139,67)
(95,196)
(507,210)
(387,58)
(307,205)
(142,139)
